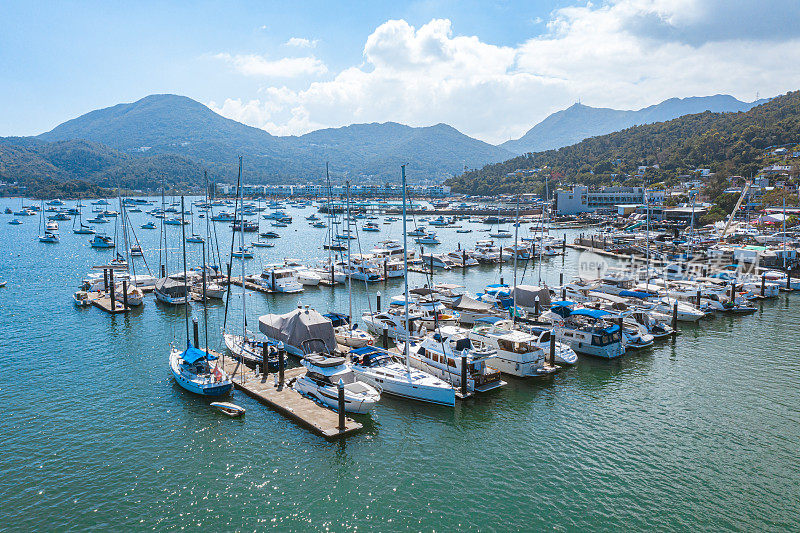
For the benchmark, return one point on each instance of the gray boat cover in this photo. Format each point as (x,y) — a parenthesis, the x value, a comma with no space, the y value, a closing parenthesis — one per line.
(526,296)
(297,326)
(465,303)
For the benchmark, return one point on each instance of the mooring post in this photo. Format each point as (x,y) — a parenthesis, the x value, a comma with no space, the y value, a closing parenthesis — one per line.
(561,278)
(342,425)
(105,280)
(763,282)
(379,301)
(535,307)
(163,271)
(264,357)
(464,376)
(111,290)
(463,259)
(675,318)
(733,288)
(698,298)
(385,270)
(501,280)
(788,279)
(553,347)
(385,337)
(563,293)
(125,295)
(196,329)
(281,364)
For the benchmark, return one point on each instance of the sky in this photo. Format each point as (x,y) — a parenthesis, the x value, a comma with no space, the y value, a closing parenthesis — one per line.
(492,69)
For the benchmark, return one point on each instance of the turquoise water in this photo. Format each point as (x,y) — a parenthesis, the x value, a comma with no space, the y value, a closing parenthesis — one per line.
(698,433)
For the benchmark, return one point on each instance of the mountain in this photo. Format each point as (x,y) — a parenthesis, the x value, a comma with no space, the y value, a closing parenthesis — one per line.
(579,122)
(728,143)
(33,163)
(179,126)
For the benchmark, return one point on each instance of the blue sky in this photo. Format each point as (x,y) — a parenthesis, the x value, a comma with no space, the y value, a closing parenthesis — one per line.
(491,69)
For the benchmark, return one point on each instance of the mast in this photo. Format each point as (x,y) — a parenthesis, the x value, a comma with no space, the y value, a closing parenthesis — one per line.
(647,238)
(405,266)
(185,277)
(241,249)
(516,252)
(784,233)
(349,263)
(233,240)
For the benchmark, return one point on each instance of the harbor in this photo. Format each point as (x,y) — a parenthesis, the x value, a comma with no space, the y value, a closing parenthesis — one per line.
(706,375)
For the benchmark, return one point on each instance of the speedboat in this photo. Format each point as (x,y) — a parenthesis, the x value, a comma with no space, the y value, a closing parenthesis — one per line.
(192,371)
(230,409)
(149,225)
(195,239)
(388,373)
(321,382)
(51,226)
(430,238)
(15,222)
(269,235)
(136,251)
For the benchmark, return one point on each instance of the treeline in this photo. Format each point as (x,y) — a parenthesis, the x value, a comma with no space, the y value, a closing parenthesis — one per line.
(74,164)
(732,143)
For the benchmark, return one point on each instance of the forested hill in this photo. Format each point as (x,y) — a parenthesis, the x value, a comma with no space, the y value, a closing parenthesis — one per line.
(729,142)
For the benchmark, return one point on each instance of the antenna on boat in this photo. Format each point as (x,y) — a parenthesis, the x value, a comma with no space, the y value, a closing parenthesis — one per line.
(349,261)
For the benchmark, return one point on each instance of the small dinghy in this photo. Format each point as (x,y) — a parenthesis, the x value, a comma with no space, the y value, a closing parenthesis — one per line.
(230,409)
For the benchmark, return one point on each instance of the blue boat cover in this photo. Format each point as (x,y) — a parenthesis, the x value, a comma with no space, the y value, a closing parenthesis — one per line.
(593,313)
(489,319)
(636,294)
(193,354)
(563,303)
(364,350)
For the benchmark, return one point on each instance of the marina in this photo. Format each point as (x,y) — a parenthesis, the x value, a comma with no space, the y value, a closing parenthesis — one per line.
(605,395)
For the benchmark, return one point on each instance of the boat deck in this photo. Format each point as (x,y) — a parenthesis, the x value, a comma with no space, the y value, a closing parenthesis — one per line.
(306,412)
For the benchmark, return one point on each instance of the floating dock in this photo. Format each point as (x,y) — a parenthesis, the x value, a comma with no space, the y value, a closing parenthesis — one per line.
(249,285)
(103,301)
(291,404)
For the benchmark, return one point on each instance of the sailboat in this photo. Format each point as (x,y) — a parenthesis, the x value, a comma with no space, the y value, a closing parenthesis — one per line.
(195,238)
(82,228)
(388,372)
(191,367)
(49,236)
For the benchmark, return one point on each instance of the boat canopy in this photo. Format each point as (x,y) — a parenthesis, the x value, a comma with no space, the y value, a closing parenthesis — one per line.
(337,319)
(526,295)
(192,355)
(592,313)
(465,303)
(297,326)
(489,320)
(636,294)
(562,303)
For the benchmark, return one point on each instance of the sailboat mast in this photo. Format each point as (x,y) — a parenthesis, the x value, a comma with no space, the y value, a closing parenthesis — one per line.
(349,263)
(405,267)
(647,238)
(516,252)
(241,249)
(185,276)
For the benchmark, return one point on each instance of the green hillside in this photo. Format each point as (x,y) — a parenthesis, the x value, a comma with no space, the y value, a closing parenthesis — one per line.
(725,142)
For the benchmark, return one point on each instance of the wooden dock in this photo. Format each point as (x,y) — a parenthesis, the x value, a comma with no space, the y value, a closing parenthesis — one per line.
(252,286)
(103,301)
(291,404)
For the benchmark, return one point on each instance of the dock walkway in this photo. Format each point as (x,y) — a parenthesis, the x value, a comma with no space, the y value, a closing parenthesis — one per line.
(291,404)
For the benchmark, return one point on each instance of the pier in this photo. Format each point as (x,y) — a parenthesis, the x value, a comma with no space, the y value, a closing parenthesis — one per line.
(286,401)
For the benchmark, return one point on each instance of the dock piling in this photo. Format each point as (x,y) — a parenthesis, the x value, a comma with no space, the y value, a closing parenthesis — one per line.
(111,291)
(763,282)
(552,347)
(535,307)
(675,318)
(281,366)
(342,424)
(125,295)
(105,279)
(464,376)
(385,337)
(378,295)
(698,298)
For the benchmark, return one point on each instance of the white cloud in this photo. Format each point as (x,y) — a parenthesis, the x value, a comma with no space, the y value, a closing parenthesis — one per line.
(287,67)
(624,54)
(300,42)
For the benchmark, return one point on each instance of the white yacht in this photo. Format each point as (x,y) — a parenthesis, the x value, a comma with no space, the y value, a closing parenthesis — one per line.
(462,259)
(279,279)
(441,354)
(518,353)
(585,330)
(387,372)
(487,252)
(321,382)
(394,320)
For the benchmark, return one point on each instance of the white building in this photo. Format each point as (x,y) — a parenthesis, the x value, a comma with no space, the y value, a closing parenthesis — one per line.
(583,200)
